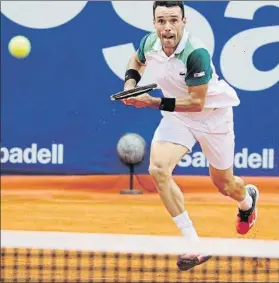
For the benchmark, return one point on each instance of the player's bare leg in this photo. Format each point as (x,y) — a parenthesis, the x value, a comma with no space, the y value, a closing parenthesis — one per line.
(163,159)
(246,196)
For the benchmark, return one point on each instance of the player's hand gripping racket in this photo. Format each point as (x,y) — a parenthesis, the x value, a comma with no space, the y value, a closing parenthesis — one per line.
(133,92)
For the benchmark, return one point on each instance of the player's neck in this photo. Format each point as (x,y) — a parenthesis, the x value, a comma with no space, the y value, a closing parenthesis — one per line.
(169,51)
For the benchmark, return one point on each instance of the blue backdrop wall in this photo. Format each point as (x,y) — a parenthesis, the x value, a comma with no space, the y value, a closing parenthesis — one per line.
(56,116)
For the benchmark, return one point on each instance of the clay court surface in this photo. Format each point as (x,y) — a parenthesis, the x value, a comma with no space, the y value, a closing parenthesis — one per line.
(96,211)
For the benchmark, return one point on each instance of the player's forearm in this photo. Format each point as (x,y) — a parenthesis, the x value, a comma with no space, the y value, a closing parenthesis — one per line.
(188,104)
(133,64)
(182,104)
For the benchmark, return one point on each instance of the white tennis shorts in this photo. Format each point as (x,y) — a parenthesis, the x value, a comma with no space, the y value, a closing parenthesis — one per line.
(213,129)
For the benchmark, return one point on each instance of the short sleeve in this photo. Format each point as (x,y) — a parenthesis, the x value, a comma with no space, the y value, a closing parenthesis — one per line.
(199,69)
(140,52)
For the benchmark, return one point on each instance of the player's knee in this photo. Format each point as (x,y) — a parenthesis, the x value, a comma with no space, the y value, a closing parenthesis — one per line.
(159,172)
(225,186)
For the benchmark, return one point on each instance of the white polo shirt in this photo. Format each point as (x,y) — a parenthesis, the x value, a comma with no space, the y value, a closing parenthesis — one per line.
(189,65)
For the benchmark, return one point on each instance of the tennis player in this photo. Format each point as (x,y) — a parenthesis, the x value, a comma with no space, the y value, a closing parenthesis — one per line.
(196,107)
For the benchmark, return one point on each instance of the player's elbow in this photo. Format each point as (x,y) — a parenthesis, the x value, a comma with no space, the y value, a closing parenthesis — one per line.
(198,104)
(198,95)
(199,107)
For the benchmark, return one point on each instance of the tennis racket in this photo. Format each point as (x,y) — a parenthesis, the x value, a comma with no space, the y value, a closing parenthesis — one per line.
(133,92)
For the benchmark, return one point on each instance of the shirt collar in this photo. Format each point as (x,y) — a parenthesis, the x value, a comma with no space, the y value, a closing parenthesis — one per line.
(181,45)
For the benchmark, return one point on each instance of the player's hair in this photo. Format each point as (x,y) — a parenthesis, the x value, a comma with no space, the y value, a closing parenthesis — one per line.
(168,4)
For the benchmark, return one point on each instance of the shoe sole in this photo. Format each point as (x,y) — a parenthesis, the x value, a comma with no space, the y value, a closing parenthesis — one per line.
(184,266)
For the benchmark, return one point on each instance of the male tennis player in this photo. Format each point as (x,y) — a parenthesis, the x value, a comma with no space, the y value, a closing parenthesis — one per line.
(196,107)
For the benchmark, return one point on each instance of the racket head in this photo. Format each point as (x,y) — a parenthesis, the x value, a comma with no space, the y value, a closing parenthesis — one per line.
(133,92)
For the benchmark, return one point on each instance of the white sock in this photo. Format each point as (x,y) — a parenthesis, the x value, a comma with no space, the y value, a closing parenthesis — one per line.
(246,204)
(185,225)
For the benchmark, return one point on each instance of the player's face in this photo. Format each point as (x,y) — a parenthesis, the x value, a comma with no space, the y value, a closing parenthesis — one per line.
(169,26)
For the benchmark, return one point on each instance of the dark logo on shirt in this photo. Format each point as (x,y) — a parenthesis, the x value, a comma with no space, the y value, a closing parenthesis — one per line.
(182,74)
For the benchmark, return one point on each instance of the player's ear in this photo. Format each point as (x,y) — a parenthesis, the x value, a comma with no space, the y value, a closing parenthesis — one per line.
(184,20)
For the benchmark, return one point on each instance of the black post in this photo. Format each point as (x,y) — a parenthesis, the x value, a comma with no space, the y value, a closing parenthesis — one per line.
(132,171)
(131,190)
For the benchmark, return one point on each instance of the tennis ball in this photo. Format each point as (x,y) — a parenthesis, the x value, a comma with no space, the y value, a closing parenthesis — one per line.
(19,46)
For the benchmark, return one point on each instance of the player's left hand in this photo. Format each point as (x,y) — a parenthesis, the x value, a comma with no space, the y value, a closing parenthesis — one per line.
(141,101)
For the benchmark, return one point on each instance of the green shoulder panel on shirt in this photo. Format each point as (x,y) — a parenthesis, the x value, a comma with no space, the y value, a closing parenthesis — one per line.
(197,61)
(199,69)
(191,44)
(146,45)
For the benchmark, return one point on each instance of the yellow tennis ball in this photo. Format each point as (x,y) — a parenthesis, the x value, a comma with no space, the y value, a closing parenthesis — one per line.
(19,46)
